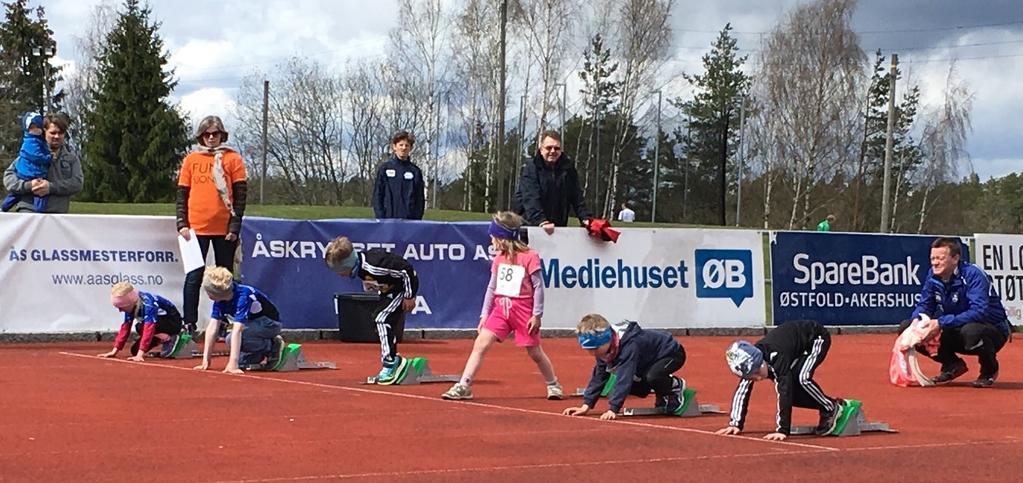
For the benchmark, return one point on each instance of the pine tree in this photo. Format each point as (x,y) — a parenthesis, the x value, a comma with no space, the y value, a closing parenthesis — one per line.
(26,78)
(714,112)
(136,138)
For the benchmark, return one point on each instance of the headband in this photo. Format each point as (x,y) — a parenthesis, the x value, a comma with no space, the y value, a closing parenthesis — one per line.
(498,230)
(593,340)
(346,266)
(125,302)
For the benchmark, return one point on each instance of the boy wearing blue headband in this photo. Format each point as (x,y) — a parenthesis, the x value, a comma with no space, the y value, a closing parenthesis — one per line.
(513,303)
(789,354)
(642,360)
(395,278)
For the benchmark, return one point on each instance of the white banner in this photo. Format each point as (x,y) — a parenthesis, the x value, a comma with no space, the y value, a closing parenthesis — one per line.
(1001,256)
(665,278)
(57,270)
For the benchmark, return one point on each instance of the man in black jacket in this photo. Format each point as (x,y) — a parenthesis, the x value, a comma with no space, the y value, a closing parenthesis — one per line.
(399,191)
(549,187)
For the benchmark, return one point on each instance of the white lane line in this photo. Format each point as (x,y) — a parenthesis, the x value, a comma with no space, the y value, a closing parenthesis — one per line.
(466,403)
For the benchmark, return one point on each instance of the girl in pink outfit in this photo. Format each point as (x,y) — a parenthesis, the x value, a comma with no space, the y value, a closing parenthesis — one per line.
(513,303)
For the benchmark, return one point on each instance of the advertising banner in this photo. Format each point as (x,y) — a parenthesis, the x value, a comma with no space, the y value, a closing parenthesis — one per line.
(1001,257)
(661,278)
(848,278)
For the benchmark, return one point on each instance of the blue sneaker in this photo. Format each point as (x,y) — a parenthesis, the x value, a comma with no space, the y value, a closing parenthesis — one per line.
(674,402)
(393,371)
(167,350)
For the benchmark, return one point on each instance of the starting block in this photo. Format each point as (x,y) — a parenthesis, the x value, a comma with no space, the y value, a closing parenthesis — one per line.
(581,391)
(418,372)
(292,359)
(852,422)
(186,348)
(690,408)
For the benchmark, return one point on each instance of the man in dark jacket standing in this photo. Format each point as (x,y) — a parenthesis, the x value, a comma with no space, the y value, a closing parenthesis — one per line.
(399,191)
(549,187)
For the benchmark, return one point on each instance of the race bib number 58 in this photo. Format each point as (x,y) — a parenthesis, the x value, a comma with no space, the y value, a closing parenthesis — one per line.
(509,279)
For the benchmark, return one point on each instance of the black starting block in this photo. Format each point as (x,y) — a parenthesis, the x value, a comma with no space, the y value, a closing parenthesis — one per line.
(852,423)
(692,408)
(419,372)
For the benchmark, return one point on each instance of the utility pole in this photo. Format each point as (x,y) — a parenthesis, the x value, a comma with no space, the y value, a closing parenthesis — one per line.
(742,159)
(657,158)
(889,144)
(502,94)
(266,121)
(436,157)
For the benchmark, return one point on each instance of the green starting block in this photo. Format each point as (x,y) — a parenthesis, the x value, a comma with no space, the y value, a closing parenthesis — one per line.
(293,359)
(852,422)
(610,384)
(418,372)
(690,408)
(186,348)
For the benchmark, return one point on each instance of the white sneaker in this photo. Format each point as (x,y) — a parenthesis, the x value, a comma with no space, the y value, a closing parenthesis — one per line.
(458,392)
(554,391)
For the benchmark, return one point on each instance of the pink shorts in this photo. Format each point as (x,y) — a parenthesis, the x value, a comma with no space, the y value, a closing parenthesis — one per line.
(512,315)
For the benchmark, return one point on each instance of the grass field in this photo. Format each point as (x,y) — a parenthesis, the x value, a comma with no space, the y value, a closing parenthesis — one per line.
(306,212)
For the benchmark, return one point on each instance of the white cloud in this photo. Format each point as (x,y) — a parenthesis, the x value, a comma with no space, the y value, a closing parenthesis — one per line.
(208,101)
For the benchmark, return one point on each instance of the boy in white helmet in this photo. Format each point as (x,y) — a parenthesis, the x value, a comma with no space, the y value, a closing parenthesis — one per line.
(789,355)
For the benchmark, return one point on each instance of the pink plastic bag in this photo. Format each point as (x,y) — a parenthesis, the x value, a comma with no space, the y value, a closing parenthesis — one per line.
(898,368)
(903,368)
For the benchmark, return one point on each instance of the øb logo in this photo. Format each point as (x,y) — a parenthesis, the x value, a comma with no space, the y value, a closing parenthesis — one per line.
(726,274)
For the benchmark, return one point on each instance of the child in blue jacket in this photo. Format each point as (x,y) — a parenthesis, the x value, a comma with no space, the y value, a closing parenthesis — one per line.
(641,360)
(33,160)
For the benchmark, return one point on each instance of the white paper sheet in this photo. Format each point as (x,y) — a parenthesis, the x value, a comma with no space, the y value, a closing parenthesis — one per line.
(191,255)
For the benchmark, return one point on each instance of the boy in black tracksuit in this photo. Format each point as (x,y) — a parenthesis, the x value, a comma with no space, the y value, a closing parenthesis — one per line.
(789,354)
(642,360)
(396,280)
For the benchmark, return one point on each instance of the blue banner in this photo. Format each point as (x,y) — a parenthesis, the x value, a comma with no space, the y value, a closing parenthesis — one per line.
(284,259)
(848,279)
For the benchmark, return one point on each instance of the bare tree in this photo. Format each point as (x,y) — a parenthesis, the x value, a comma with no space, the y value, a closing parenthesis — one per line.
(417,72)
(813,66)
(367,137)
(304,131)
(475,81)
(643,38)
(80,82)
(944,140)
(548,26)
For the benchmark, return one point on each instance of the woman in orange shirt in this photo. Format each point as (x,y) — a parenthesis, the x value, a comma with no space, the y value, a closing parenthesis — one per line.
(211,200)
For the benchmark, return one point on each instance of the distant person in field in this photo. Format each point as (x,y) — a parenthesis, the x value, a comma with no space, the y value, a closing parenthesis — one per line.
(61,179)
(399,190)
(33,162)
(626,215)
(642,360)
(549,187)
(513,302)
(789,354)
(157,322)
(825,224)
(212,192)
(970,314)
(395,279)
(255,324)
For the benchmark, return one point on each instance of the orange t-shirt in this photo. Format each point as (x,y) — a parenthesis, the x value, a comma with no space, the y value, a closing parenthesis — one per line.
(207,214)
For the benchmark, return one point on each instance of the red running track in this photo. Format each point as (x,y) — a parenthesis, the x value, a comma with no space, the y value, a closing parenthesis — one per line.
(69,416)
